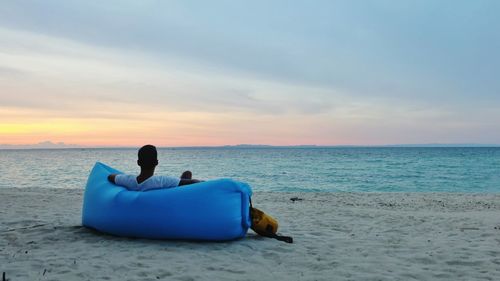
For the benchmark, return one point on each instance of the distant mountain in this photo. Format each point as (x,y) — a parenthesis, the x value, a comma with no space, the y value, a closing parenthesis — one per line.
(40,145)
(268,146)
(382,145)
(248,145)
(443,145)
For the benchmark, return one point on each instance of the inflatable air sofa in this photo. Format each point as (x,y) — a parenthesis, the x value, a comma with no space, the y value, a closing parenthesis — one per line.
(214,210)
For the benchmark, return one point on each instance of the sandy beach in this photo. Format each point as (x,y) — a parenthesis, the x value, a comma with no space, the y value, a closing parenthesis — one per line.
(338,236)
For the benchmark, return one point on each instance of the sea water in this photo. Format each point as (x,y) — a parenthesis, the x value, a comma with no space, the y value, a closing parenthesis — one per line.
(370,169)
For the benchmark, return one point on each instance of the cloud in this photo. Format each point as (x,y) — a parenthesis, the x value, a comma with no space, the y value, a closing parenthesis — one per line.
(9,73)
(83,79)
(419,51)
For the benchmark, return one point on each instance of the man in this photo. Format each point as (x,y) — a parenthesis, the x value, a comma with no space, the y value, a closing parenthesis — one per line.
(146,180)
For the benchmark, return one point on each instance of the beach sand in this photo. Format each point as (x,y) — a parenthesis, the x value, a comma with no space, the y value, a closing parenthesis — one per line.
(338,236)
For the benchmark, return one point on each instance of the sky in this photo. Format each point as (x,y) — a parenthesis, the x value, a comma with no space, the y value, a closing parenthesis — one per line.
(196,73)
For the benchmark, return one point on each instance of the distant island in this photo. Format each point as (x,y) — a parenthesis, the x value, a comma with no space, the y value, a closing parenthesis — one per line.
(267,146)
(354,146)
(441,145)
(40,145)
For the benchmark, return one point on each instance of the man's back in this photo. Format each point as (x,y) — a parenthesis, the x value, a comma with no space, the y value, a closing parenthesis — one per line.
(153,182)
(148,160)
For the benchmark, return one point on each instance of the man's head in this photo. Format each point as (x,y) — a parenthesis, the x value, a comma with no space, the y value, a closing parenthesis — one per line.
(147,157)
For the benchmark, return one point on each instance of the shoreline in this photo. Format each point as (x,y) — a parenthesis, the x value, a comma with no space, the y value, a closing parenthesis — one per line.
(340,235)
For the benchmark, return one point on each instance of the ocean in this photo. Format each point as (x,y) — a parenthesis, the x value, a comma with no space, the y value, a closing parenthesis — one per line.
(335,169)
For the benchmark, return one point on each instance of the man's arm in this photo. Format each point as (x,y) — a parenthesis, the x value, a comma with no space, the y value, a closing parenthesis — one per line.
(111,178)
(188,181)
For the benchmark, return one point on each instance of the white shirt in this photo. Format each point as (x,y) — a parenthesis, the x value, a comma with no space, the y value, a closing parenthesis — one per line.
(154,182)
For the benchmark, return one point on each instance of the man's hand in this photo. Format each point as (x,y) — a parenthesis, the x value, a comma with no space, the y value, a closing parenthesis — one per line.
(188,181)
(111,178)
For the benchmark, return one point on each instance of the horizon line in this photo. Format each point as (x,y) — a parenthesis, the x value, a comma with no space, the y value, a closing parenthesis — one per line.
(45,146)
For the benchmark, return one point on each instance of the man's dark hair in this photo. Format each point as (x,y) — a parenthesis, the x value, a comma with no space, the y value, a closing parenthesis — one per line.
(147,156)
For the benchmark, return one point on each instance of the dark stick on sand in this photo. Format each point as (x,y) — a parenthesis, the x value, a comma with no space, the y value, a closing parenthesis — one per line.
(26,227)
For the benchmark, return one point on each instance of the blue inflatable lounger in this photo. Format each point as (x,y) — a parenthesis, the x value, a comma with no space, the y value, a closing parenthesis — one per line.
(214,210)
